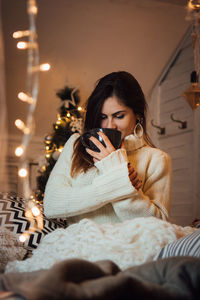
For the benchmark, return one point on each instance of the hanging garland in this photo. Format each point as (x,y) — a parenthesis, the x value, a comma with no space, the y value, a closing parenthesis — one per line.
(30,98)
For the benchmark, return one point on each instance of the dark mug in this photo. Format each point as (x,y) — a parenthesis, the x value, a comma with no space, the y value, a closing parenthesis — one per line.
(113,135)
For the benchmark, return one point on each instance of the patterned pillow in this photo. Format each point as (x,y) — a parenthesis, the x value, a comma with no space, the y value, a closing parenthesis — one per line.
(188,245)
(12,217)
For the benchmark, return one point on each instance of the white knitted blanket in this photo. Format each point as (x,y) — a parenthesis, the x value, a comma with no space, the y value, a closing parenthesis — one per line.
(130,243)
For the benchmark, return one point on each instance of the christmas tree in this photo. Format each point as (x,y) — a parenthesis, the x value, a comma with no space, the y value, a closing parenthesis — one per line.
(69,121)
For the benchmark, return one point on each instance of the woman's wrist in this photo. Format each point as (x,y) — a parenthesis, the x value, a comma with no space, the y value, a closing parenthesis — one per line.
(114,160)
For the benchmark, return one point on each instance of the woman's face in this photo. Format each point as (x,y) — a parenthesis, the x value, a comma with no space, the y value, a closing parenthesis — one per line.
(118,116)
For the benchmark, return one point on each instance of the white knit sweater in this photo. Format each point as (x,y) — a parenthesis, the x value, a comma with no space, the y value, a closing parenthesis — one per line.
(105,194)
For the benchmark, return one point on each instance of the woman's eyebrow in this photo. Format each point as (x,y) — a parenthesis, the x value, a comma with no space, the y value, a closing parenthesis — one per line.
(118,112)
(115,113)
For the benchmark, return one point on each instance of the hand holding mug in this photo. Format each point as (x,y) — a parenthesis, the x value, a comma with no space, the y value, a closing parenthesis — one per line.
(100,142)
(104,151)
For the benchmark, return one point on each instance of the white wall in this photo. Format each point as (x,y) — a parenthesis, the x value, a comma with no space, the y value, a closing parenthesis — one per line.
(183,144)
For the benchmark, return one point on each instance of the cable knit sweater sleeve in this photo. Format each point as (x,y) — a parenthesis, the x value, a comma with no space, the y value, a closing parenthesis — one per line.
(154,198)
(63,199)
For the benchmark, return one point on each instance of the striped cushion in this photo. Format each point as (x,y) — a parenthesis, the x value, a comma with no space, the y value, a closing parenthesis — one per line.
(12,217)
(187,245)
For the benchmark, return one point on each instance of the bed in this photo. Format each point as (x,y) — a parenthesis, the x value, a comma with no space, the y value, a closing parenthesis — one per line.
(173,274)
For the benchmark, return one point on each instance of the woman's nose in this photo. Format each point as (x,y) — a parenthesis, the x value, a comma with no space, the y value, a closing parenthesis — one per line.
(111,124)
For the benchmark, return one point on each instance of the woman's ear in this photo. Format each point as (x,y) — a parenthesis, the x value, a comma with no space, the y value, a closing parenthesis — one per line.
(137,117)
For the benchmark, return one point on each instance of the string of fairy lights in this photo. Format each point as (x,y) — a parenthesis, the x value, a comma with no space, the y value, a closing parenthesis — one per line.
(30,97)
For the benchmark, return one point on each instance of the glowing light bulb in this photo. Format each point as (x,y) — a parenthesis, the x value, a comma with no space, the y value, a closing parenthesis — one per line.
(20,124)
(25,98)
(60,149)
(22,45)
(68,115)
(32,8)
(25,45)
(22,172)
(23,237)
(35,211)
(19,151)
(45,67)
(194,4)
(79,108)
(19,34)
(28,214)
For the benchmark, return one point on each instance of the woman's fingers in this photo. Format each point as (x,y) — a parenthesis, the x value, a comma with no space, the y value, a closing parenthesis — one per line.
(133,175)
(130,169)
(106,141)
(136,182)
(104,151)
(92,153)
(97,143)
(95,159)
(138,185)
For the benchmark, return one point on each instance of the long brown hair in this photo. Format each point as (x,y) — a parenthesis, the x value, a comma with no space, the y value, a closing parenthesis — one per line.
(127,89)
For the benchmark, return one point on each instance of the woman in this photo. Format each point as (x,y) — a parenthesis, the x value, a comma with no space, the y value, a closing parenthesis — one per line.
(112,185)
(114,200)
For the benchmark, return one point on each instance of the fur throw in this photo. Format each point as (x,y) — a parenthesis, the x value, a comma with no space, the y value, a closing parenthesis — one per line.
(10,248)
(130,243)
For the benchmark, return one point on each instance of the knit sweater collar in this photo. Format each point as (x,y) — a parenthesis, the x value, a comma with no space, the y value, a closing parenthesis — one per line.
(131,142)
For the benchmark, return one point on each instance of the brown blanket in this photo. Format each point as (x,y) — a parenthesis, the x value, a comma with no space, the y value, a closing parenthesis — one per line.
(171,278)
